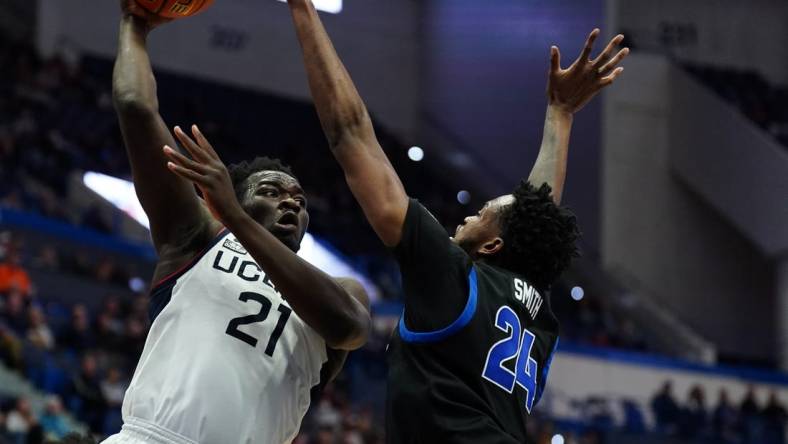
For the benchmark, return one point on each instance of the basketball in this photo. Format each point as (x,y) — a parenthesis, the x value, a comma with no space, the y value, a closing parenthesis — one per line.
(175,8)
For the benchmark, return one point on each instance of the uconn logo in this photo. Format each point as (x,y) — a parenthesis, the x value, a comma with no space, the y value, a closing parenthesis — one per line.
(244,269)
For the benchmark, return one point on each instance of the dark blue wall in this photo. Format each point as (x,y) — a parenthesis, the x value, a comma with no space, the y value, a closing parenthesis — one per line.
(486,71)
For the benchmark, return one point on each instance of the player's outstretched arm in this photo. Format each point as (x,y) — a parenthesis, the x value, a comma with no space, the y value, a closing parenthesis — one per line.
(568,90)
(179,223)
(348,127)
(337,309)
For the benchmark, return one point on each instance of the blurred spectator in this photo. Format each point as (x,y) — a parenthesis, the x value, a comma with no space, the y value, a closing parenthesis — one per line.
(750,420)
(725,420)
(87,398)
(20,421)
(78,335)
(326,415)
(325,435)
(666,410)
(633,417)
(774,416)
(38,332)
(14,312)
(110,327)
(10,348)
(52,421)
(113,387)
(136,332)
(47,259)
(694,418)
(13,276)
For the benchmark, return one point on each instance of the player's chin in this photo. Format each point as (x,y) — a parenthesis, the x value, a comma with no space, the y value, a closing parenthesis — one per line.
(291,238)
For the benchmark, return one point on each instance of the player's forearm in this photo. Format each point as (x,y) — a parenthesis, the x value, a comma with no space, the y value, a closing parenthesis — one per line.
(316,297)
(133,84)
(341,110)
(550,166)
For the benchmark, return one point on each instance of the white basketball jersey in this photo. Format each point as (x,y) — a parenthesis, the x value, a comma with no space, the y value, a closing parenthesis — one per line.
(226,359)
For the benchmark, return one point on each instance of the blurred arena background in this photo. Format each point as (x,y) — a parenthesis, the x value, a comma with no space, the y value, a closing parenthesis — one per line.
(674,322)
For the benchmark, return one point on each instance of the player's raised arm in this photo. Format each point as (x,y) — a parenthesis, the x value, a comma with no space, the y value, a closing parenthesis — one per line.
(348,127)
(568,90)
(179,222)
(336,309)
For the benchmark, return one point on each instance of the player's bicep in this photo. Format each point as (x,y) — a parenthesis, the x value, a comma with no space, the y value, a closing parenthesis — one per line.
(171,203)
(375,185)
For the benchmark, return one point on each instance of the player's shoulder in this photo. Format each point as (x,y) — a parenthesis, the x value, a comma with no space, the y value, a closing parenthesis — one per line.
(192,244)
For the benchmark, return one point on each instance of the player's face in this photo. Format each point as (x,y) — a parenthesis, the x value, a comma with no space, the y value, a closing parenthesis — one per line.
(277,202)
(483,227)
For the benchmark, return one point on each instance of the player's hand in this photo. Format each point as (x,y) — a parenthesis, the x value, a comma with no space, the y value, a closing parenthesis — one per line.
(207,171)
(131,8)
(570,89)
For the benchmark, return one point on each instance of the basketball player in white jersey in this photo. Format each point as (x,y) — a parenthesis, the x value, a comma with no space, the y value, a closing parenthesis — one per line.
(242,328)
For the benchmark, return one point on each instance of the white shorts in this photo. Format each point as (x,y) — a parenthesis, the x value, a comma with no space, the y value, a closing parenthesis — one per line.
(137,431)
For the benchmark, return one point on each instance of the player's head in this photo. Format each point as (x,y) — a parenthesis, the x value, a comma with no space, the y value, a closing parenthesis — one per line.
(524,232)
(269,191)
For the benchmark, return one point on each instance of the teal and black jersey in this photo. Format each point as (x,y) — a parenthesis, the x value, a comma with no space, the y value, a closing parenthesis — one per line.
(470,357)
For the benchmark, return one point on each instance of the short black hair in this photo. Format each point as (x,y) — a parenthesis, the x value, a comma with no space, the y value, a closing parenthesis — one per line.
(241,171)
(539,237)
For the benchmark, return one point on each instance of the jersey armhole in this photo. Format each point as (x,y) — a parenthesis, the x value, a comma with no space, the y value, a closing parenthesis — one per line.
(188,265)
(439,335)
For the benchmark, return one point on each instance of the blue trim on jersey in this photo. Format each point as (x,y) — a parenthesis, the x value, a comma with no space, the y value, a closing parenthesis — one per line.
(545,371)
(454,327)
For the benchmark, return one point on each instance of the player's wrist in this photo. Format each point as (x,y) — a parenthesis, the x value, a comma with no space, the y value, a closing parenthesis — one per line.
(299,3)
(137,25)
(560,111)
(234,217)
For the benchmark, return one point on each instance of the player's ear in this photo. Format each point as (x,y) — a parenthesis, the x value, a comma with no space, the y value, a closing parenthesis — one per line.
(491,247)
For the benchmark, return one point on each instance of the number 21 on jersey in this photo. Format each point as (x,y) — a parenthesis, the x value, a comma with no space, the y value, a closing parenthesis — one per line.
(517,346)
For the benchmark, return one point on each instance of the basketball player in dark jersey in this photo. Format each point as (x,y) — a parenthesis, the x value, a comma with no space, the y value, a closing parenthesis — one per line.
(470,357)
(241,327)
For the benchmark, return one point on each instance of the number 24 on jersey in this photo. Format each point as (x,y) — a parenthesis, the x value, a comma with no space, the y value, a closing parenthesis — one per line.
(517,346)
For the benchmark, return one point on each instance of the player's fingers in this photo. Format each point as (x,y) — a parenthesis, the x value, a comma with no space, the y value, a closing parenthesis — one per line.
(608,52)
(555,59)
(607,80)
(191,146)
(184,161)
(613,62)
(589,45)
(203,142)
(186,173)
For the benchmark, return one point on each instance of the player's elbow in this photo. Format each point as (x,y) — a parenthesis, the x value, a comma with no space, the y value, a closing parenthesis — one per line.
(388,222)
(351,332)
(384,201)
(132,103)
